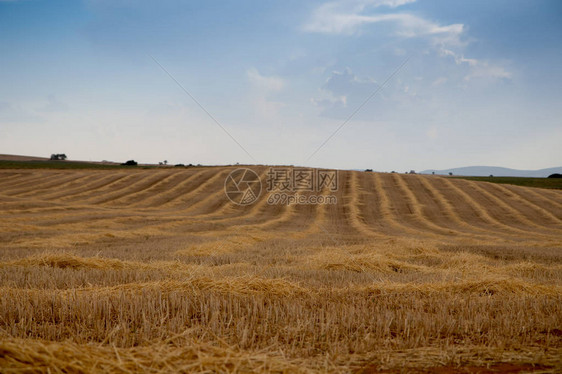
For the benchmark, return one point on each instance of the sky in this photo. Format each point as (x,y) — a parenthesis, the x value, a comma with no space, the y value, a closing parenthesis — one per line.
(379,84)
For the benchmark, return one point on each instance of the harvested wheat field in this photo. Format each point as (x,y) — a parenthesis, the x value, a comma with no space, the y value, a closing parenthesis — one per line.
(157,271)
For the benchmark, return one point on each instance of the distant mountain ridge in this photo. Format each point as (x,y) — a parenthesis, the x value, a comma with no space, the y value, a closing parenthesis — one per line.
(484,171)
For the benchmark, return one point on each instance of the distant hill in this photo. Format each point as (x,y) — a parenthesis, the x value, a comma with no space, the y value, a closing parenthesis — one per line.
(484,171)
(21,158)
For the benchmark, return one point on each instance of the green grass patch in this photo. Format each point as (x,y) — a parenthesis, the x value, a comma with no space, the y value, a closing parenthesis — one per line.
(553,183)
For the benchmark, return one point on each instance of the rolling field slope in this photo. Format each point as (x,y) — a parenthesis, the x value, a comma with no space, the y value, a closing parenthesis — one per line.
(156,270)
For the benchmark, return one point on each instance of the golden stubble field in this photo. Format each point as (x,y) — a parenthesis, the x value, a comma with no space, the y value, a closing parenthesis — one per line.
(156,271)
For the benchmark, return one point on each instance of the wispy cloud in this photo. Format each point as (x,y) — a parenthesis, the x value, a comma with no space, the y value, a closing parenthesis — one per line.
(339,89)
(346,17)
(268,83)
(478,68)
(263,87)
(448,41)
(486,70)
(439,81)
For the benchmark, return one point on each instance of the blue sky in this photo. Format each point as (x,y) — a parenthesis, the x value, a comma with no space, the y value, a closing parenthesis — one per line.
(481,85)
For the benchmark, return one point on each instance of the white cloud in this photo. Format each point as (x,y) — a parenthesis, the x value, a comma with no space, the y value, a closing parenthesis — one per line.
(348,17)
(439,81)
(330,101)
(328,16)
(340,80)
(263,82)
(263,87)
(486,70)
(267,109)
(459,59)
(341,88)
(478,68)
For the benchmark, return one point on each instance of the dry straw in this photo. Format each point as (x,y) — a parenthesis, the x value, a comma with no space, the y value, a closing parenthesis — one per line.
(155,271)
